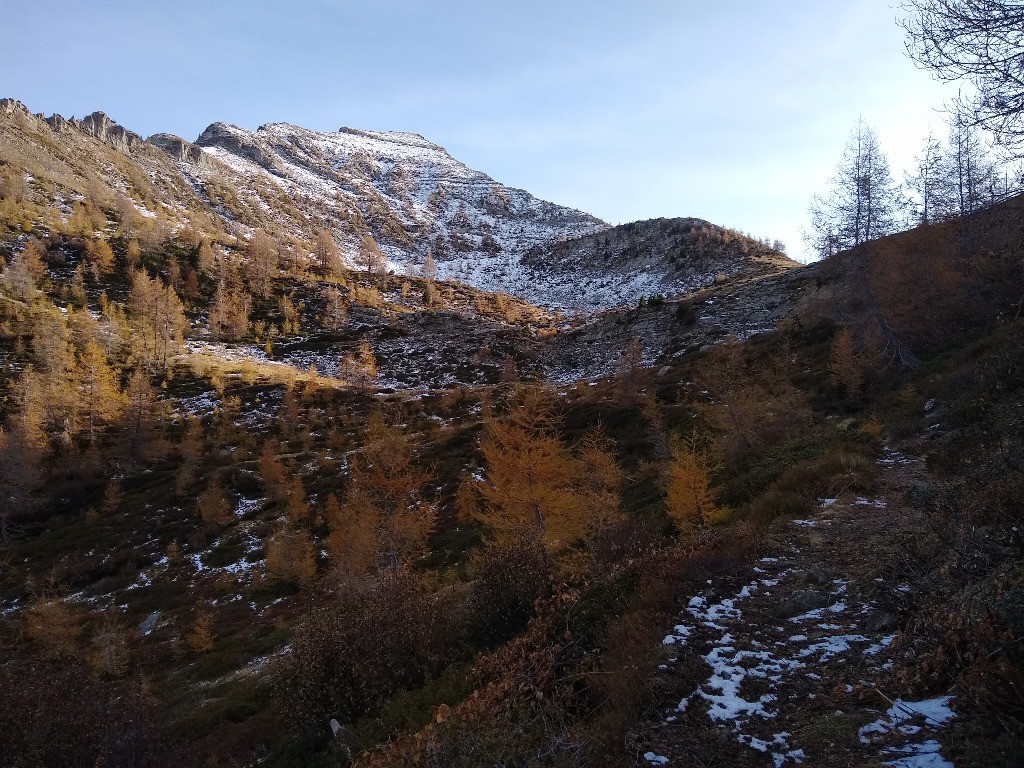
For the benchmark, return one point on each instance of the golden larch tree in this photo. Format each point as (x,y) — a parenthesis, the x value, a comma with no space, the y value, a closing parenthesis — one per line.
(328,254)
(845,367)
(157,320)
(600,481)
(385,521)
(99,397)
(214,506)
(291,556)
(529,488)
(262,264)
(689,499)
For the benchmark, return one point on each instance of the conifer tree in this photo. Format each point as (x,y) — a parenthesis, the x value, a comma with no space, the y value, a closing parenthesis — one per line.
(157,320)
(54,625)
(928,183)
(229,311)
(52,351)
(291,556)
(689,499)
(32,255)
(600,481)
(133,254)
(262,263)
(429,266)
(20,455)
(970,171)
(981,41)
(281,485)
(861,205)
(529,490)
(100,398)
(207,259)
(385,520)
(335,309)
(17,280)
(100,255)
(369,253)
(30,416)
(200,637)
(366,360)
(214,506)
(846,368)
(328,255)
(143,412)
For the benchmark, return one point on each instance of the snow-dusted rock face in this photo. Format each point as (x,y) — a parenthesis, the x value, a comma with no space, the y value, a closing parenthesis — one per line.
(410,194)
(659,257)
(396,191)
(416,199)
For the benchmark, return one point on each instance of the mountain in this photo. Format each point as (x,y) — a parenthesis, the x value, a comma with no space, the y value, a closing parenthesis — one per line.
(408,195)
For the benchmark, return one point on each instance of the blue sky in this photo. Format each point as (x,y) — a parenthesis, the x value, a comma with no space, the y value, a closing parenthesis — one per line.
(732,111)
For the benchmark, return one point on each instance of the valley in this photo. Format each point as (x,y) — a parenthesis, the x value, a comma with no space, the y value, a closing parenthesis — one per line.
(326,449)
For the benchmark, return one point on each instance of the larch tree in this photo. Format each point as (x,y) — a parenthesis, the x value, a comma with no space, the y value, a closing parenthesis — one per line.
(429,266)
(630,376)
(142,416)
(385,520)
(231,305)
(50,391)
(133,254)
(861,204)
(100,399)
(207,259)
(846,368)
(291,556)
(100,255)
(970,170)
(370,255)
(599,483)
(360,368)
(328,254)
(52,350)
(157,320)
(927,183)
(529,490)
(31,415)
(17,280)
(689,499)
(32,255)
(281,485)
(262,263)
(335,315)
(20,457)
(214,506)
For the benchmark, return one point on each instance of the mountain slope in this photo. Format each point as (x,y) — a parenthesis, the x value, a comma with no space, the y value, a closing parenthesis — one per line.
(389,190)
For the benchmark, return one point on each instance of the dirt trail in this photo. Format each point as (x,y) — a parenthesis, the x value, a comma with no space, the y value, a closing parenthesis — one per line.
(793,660)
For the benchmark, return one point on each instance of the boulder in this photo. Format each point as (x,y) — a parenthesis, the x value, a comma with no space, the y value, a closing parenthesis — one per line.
(802,601)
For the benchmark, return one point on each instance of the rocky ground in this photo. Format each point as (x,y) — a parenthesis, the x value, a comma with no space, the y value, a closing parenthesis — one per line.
(794,659)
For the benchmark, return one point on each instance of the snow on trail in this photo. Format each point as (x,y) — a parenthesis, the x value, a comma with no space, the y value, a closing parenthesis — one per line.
(788,645)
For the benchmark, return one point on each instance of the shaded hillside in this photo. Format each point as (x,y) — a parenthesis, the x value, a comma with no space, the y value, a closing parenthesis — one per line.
(659,257)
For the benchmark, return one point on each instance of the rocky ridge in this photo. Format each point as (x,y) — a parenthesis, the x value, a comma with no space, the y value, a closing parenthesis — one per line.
(406,193)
